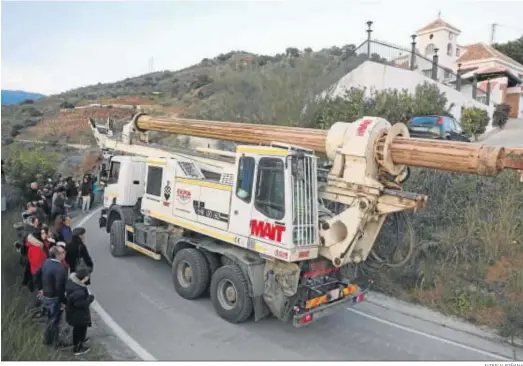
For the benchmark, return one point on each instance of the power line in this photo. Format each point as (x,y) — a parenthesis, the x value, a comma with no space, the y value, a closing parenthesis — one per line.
(511,27)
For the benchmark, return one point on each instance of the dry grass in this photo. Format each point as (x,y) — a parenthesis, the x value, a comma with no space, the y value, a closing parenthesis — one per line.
(22,336)
(469,259)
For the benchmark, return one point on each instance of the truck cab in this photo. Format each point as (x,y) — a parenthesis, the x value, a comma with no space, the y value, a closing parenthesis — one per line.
(124,184)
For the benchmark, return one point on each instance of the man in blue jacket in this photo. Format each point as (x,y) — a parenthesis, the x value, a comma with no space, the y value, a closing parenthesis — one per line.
(50,280)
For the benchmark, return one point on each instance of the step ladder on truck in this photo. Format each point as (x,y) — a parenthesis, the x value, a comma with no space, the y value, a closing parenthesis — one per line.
(249,226)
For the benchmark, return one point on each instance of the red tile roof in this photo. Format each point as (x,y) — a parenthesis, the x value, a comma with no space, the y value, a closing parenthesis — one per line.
(481,51)
(438,23)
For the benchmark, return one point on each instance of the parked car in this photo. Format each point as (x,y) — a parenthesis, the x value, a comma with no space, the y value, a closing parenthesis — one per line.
(437,127)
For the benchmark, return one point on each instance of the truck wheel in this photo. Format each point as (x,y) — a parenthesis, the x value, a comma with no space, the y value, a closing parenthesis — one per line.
(117,239)
(230,294)
(213,260)
(190,273)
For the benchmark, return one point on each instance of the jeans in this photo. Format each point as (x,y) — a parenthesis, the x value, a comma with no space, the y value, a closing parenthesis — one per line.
(54,315)
(86,202)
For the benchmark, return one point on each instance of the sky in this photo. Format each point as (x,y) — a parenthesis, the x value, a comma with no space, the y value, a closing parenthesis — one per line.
(52,47)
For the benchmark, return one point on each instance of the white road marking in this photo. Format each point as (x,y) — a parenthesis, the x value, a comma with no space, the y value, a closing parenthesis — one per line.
(430,336)
(111,323)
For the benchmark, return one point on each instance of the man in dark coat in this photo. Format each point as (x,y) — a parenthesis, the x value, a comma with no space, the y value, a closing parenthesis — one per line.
(50,281)
(78,314)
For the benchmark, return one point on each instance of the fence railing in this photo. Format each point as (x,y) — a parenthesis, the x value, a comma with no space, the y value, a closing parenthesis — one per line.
(411,59)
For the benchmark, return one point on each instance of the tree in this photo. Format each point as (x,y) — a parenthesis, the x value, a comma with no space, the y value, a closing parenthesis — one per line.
(24,166)
(292,52)
(33,112)
(474,120)
(513,49)
(67,105)
(500,116)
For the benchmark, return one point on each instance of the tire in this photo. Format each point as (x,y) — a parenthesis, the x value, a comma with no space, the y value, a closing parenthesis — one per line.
(117,239)
(236,311)
(213,260)
(194,260)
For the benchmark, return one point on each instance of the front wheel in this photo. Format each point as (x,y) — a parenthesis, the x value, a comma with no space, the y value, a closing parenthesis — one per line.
(230,294)
(117,239)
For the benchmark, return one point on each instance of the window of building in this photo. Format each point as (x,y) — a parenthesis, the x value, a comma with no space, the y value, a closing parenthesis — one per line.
(270,191)
(245,178)
(451,35)
(114,172)
(449,49)
(457,52)
(429,50)
(154,181)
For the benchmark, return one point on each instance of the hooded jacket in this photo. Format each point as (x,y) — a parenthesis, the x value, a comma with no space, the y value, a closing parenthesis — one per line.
(78,301)
(36,253)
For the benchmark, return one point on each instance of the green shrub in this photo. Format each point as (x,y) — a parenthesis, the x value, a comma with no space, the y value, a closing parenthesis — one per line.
(392,104)
(24,166)
(474,120)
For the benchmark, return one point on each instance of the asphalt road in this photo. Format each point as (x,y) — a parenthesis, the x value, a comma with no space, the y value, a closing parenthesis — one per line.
(510,136)
(137,293)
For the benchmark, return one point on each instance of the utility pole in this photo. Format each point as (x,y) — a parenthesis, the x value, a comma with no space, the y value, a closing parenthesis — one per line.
(151,64)
(492,32)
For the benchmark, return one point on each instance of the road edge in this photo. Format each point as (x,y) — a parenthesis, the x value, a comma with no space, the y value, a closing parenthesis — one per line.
(129,341)
(426,314)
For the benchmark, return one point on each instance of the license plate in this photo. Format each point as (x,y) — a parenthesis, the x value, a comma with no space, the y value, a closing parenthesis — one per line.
(420,129)
(332,295)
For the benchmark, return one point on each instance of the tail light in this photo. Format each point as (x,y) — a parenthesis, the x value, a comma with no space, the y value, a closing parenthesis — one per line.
(440,121)
(306,319)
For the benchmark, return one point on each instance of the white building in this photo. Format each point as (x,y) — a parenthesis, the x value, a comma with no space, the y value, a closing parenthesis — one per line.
(478,61)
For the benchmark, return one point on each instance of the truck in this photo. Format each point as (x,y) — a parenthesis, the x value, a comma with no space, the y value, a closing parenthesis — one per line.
(250,227)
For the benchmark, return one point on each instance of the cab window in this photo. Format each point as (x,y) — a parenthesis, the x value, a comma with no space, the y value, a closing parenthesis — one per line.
(114,172)
(154,181)
(245,178)
(270,188)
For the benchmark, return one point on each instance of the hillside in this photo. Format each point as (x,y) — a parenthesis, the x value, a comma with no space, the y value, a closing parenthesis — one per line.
(237,86)
(17,96)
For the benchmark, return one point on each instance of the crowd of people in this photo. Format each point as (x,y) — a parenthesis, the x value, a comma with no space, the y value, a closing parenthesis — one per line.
(56,261)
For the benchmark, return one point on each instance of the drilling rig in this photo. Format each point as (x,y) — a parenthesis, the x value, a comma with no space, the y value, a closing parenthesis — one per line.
(249,226)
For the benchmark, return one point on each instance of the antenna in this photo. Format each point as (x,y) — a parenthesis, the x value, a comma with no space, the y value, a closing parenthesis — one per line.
(439,14)
(493,32)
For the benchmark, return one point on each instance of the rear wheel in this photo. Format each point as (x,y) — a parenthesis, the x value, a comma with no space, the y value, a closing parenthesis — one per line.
(190,273)
(117,239)
(213,260)
(230,294)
